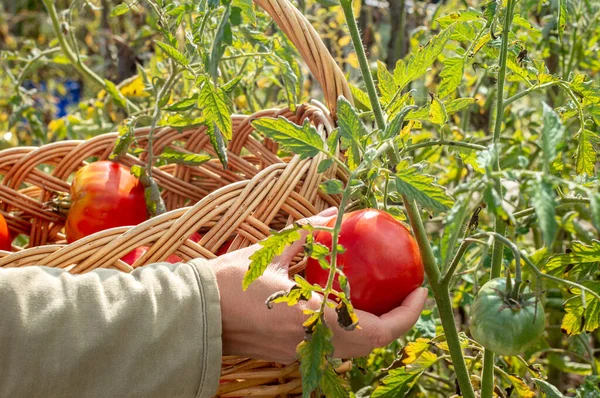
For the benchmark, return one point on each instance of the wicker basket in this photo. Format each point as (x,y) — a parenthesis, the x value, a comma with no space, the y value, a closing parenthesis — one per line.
(258,192)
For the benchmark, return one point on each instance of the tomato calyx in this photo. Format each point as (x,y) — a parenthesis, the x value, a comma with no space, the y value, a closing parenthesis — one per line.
(514,304)
(60,203)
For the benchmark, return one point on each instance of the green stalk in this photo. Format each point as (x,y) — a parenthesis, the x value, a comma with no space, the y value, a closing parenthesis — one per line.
(442,299)
(364,63)
(487,377)
(71,55)
(461,144)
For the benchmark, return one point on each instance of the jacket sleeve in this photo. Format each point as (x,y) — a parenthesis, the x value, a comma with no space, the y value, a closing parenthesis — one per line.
(153,333)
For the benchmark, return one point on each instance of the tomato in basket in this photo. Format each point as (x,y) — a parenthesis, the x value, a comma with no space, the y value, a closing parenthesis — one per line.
(5,240)
(104,195)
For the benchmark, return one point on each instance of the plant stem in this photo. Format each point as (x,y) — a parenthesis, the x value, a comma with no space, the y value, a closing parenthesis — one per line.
(245,55)
(364,63)
(528,91)
(560,202)
(461,144)
(487,377)
(442,298)
(71,55)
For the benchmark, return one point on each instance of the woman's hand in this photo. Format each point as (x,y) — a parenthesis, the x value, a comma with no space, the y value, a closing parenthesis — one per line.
(250,329)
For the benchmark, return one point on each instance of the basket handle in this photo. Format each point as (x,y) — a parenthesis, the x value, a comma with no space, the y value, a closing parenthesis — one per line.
(312,49)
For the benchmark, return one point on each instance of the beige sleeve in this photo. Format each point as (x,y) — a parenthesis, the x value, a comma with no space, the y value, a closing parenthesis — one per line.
(153,333)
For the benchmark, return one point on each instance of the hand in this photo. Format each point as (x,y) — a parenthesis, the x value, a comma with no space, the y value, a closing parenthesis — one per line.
(250,329)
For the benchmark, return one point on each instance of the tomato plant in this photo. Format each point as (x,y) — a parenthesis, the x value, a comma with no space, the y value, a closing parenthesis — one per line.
(104,195)
(381,260)
(504,324)
(5,239)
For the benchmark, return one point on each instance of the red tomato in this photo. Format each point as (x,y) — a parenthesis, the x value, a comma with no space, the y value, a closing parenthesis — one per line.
(104,195)
(381,260)
(222,250)
(5,240)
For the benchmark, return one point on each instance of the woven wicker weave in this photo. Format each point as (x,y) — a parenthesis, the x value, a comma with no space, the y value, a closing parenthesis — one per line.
(258,192)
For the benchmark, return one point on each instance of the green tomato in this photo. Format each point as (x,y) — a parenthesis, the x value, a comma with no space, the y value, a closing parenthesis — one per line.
(504,326)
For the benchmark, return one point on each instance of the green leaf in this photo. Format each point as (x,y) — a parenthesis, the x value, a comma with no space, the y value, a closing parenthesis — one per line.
(460,16)
(562,17)
(333,385)
(458,104)
(394,128)
(552,134)
(585,155)
(324,165)
(595,209)
(416,64)
(580,260)
(218,142)
(120,9)
(453,227)
(396,384)
(117,96)
(247,8)
(219,44)
(290,79)
(291,297)
(179,121)
(585,88)
(313,352)
(189,159)
(412,182)
(232,84)
(437,111)
(451,75)
(360,97)
(579,319)
(352,131)
(303,140)
(272,246)
(543,200)
(173,53)
(183,105)
(332,187)
(590,387)
(216,108)
(387,85)
(548,389)
(124,140)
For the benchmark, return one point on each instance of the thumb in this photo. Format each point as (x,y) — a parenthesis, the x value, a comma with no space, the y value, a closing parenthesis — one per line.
(283,261)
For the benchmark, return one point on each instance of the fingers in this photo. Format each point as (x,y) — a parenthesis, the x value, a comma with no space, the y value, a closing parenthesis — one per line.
(399,320)
(319,220)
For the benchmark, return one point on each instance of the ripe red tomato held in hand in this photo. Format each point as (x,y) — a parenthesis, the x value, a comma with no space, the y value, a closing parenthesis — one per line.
(5,240)
(381,260)
(104,195)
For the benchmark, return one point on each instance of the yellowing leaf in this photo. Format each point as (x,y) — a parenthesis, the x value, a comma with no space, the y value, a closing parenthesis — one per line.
(437,111)
(135,88)
(579,319)
(521,388)
(344,41)
(414,350)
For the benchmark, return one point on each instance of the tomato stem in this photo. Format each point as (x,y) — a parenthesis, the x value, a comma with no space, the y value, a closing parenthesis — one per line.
(364,63)
(442,298)
(487,377)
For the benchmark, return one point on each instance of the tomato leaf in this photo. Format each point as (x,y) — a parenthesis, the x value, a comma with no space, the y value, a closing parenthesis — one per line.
(437,111)
(120,9)
(360,97)
(416,64)
(313,353)
(386,83)
(453,227)
(189,159)
(332,385)
(548,389)
(272,246)
(352,132)
(411,181)
(218,142)
(562,17)
(172,53)
(396,384)
(303,140)
(543,200)
(290,80)
(216,108)
(552,134)
(247,8)
(451,75)
(124,140)
(291,297)
(577,318)
(521,388)
(219,44)
(332,187)
(579,260)
(183,105)
(117,96)
(585,155)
